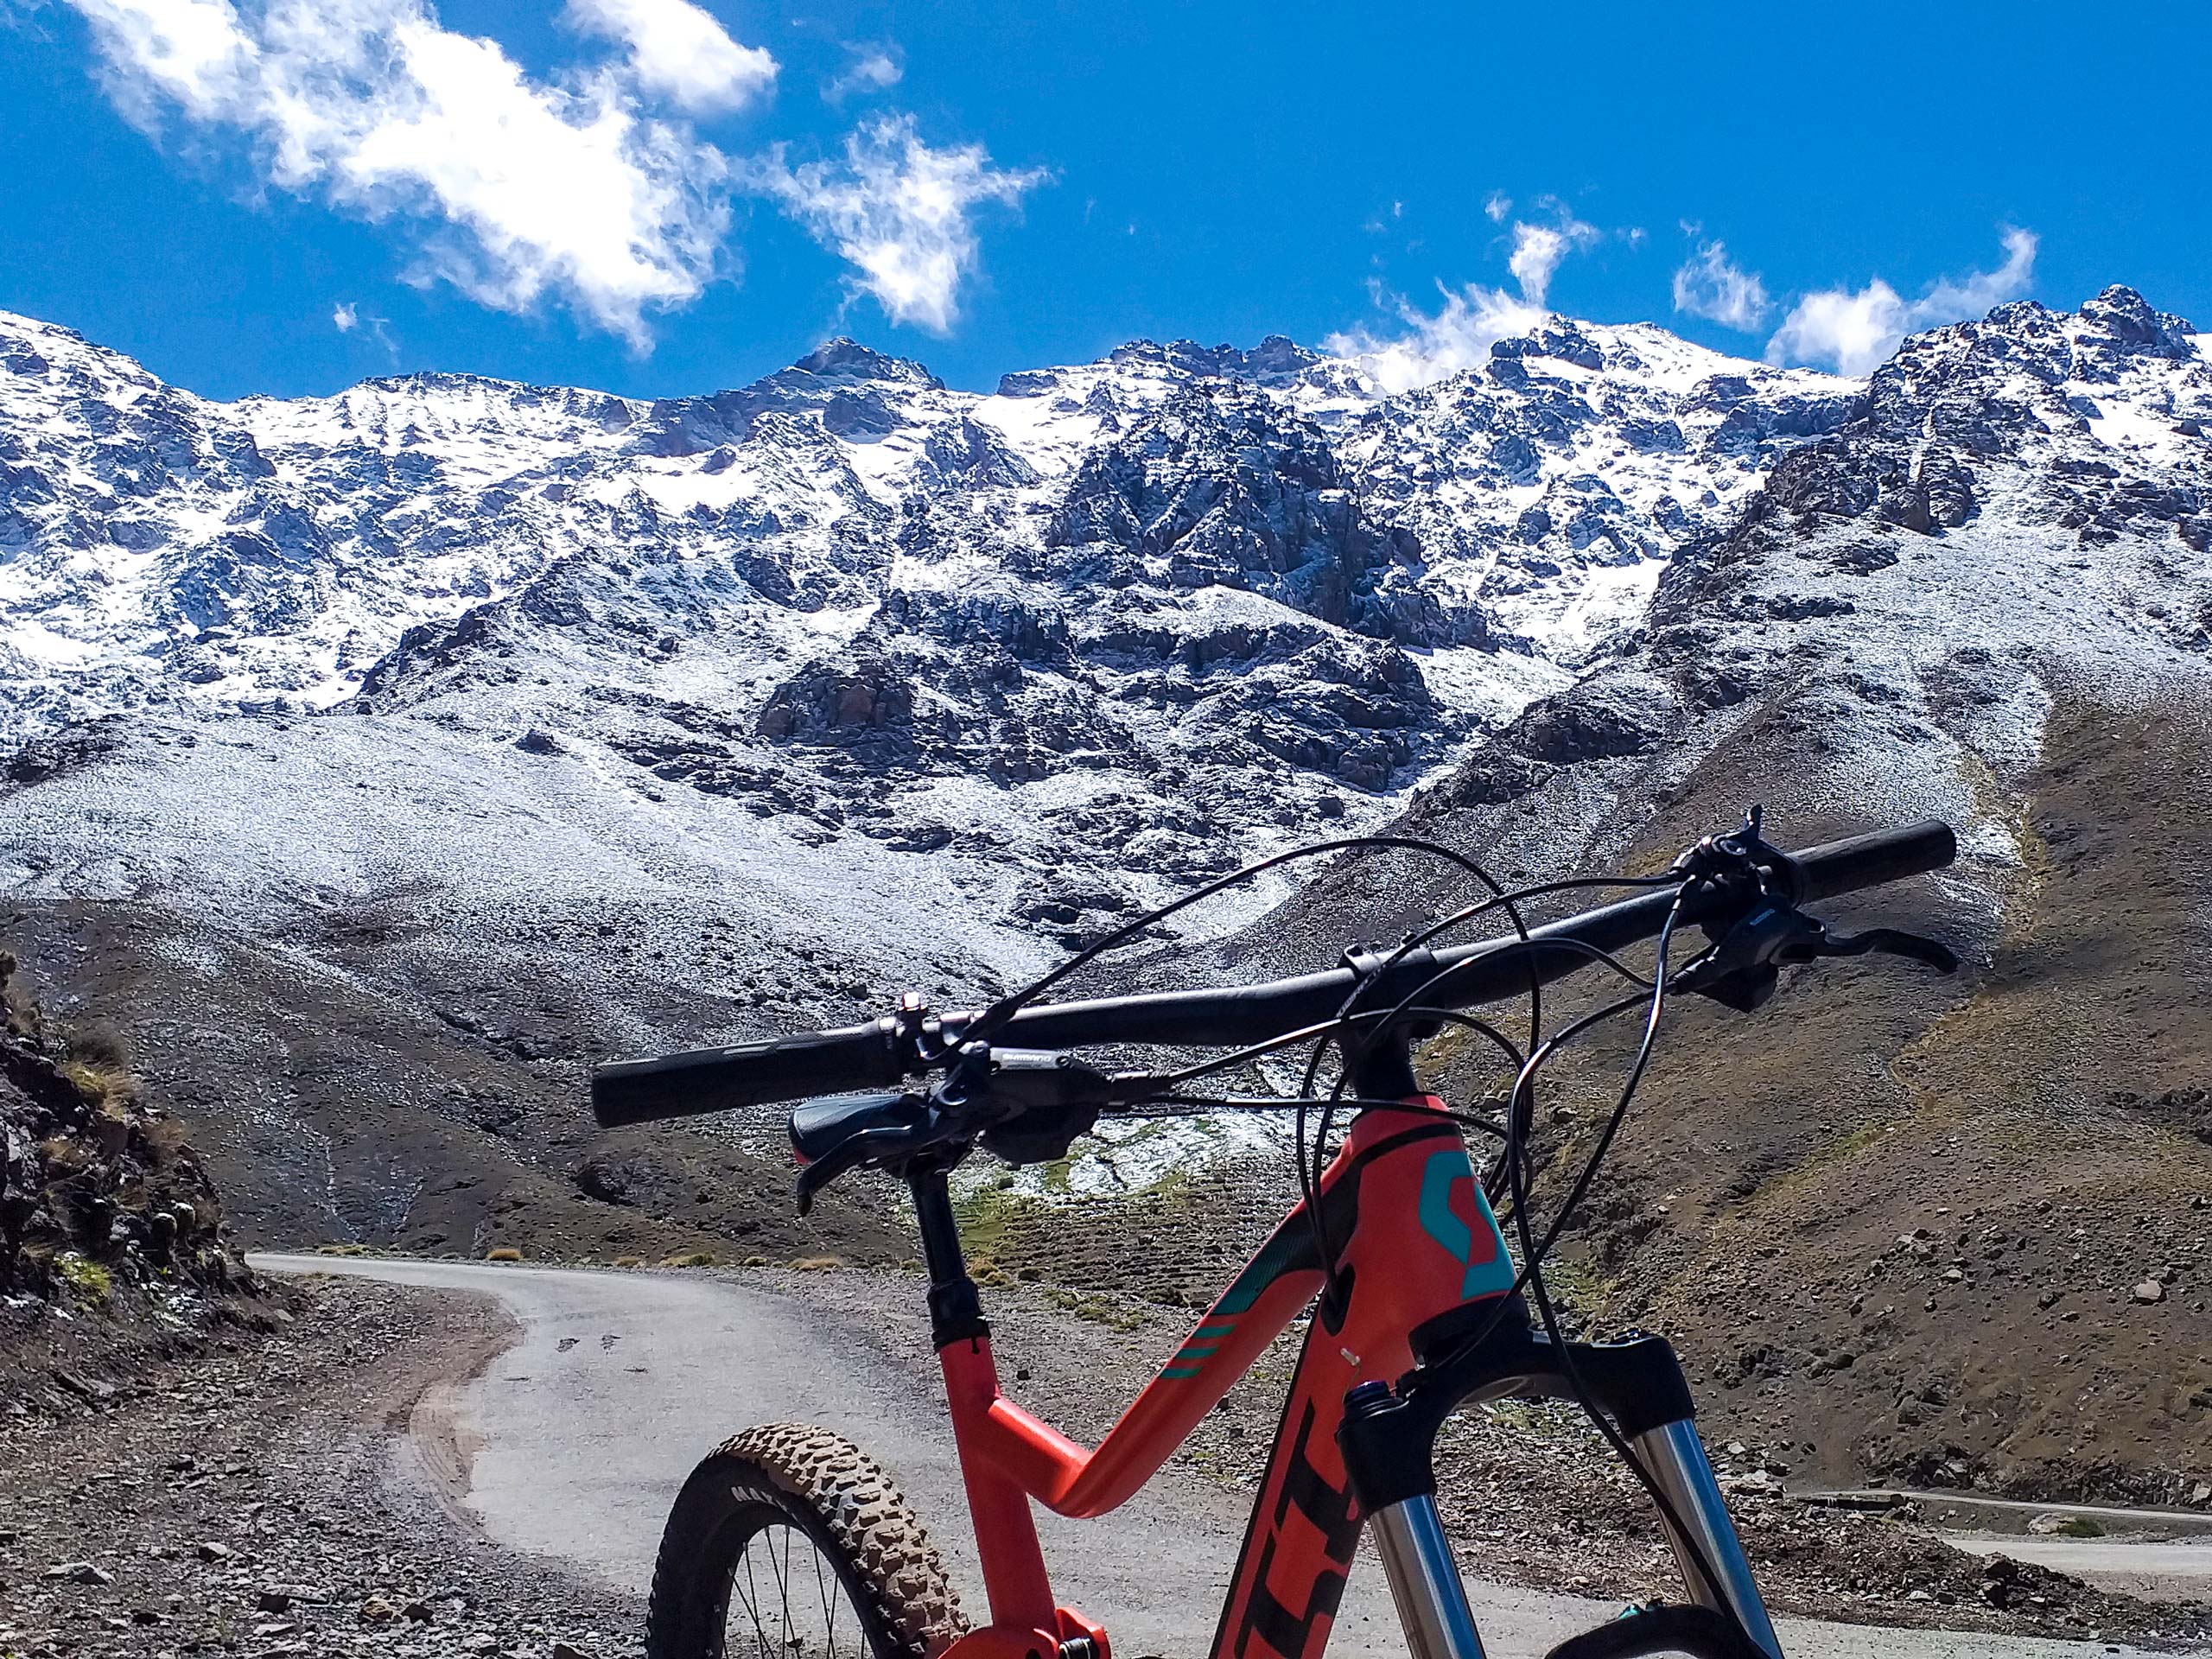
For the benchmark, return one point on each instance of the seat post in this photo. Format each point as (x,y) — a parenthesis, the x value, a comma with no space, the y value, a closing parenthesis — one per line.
(956,1309)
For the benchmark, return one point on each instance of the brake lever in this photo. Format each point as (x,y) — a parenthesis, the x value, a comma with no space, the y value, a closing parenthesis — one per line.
(869,1146)
(1742,968)
(1888,942)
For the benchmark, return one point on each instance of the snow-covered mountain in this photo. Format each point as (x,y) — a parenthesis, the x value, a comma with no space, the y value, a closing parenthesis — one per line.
(1141,615)
(721,714)
(267,553)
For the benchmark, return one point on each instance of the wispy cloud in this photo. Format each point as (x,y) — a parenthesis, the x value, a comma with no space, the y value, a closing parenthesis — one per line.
(1435,345)
(875,68)
(1427,346)
(346,317)
(680,52)
(1856,332)
(590,187)
(1710,284)
(1538,248)
(900,212)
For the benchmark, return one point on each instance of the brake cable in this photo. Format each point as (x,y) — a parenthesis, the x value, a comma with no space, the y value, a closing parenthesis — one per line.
(1310,1177)
(1406,1009)
(1534,1252)
(981,1028)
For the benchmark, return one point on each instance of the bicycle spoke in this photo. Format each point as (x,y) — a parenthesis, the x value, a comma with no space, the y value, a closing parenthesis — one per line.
(784,1586)
(751,1595)
(795,1626)
(823,1580)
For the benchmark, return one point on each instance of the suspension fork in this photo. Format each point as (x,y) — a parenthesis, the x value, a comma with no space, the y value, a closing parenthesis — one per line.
(1389,1436)
(1675,1458)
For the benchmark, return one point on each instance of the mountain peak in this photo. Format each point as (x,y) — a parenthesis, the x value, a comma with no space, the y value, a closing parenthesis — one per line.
(1556,337)
(842,358)
(2129,320)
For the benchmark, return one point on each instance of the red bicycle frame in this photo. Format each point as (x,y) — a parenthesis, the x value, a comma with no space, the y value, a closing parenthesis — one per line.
(1414,1240)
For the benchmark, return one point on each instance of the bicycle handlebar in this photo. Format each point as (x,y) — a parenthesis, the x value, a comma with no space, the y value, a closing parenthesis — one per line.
(875,1056)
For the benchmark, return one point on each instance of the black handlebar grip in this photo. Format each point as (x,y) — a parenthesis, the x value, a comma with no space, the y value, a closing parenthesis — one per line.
(1868,861)
(849,1059)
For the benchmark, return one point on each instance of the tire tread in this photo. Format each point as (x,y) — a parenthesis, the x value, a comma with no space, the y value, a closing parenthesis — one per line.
(859,1512)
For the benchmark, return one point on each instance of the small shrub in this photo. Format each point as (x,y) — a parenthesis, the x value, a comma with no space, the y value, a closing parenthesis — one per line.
(341,1249)
(2080,1526)
(88,1281)
(64,1154)
(695,1259)
(100,1047)
(816,1263)
(504,1252)
(629,1260)
(100,1084)
(756,1261)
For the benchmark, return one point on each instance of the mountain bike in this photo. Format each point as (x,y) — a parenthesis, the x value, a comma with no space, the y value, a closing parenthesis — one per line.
(789,1542)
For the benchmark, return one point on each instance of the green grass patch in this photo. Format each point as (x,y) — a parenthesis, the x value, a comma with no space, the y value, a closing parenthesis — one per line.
(88,1281)
(1099,1310)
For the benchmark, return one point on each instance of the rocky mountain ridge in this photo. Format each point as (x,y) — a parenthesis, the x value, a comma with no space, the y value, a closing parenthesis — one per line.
(1124,526)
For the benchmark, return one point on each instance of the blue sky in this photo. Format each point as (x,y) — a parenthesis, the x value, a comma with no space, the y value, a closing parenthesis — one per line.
(270,195)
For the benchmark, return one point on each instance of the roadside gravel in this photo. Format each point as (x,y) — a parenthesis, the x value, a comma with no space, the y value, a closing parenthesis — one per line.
(243,1497)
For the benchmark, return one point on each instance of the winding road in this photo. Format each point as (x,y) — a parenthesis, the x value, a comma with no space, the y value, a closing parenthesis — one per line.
(570,1444)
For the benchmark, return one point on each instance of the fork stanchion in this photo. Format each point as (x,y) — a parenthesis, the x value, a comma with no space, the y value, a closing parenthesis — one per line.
(1675,1456)
(1392,1471)
(1424,1579)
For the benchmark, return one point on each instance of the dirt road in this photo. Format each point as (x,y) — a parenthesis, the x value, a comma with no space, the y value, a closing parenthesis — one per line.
(569,1446)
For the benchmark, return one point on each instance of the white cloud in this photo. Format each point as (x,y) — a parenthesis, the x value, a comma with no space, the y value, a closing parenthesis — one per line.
(525,188)
(874,69)
(680,52)
(1429,347)
(1457,337)
(191,51)
(1710,285)
(1856,332)
(345,317)
(582,187)
(900,212)
(1538,248)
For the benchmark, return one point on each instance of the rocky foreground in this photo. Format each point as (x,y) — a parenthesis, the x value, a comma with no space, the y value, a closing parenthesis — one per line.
(243,1497)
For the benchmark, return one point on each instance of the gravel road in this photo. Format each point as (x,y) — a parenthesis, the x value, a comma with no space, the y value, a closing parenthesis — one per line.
(568,1446)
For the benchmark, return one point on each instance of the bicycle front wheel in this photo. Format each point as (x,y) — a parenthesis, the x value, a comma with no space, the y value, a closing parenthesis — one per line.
(790,1543)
